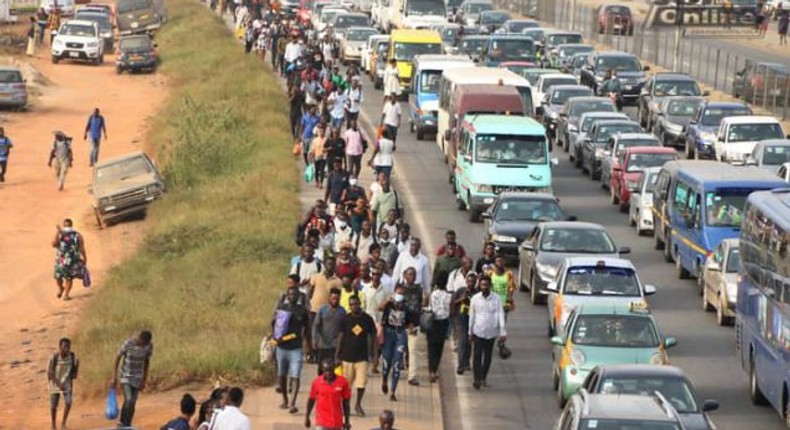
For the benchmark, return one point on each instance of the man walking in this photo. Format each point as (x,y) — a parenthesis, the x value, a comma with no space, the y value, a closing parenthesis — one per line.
(62,371)
(326,328)
(354,101)
(391,116)
(386,420)
(415,259)
(290,326)
(330,395)
(61,156)
(136,355)
(460,314)
(5,150)
(486,324)
(356,346)
(416,297)
(231,417)
(336,186)
(307,129)
(93,130)
(306,267)
(70,258)
(384,202)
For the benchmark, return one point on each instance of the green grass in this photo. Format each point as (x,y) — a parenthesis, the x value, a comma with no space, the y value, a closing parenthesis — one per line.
(217,246)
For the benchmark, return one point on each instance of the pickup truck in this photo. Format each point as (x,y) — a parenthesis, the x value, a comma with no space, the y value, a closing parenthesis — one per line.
(124,186)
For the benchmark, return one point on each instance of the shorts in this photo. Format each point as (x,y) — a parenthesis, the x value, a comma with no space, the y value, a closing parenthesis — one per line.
(356,373)
(54,398)
(289,362)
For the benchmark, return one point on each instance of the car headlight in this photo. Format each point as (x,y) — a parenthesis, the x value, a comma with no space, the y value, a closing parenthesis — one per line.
(547,272)
(484,188)
(674,128)
(732,292)
(104,200)
(707,137)
(57,43)
(503,238)
(632,185)
(599,152)
(577,357)
(572,128)
(153,188)
(658,358)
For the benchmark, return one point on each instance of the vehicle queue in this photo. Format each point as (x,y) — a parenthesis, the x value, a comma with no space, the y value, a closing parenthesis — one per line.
(463,77)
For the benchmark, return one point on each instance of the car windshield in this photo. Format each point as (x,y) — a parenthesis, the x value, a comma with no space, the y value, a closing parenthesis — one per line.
(754,132)
(135,43)
(607,131)
(675,389)
(494,17)
(559,39)
(589,121)
(733,261)
(100,20)
(476,8)
(619,63)
(682,107)
(407,51)
(327,15)
(725,206)
(360,35)
(564,80)
(579,60)
(559,97)
(640,162)
(351,21)
(77,30)
(601,281)
(418,8)
(621,424)
(429,81)
(519,26)
(512,49)
(776,155)
(124,169)
(528,210)
(676,88)
(618,331)
(472,46)
(577,241)
(571,50)
(10,76)
(510,149)
(713,116)
(618,10)
(592,106)
(628,143)
(126,6)
(530,74)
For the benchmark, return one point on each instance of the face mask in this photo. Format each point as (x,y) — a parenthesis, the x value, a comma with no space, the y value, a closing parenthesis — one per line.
(352,182)
(67,229)
(399,298)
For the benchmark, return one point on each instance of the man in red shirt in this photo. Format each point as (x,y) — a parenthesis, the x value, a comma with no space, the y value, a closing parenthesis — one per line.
(331,396)
(450,241)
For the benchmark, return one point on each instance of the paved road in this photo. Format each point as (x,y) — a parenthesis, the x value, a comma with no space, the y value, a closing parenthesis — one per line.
(521,396)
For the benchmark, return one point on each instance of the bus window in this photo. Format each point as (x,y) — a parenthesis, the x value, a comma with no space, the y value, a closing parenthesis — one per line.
(681,197)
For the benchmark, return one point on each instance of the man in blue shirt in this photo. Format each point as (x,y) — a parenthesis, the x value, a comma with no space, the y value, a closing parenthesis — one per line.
(94,130)
(308,123)
(5,149)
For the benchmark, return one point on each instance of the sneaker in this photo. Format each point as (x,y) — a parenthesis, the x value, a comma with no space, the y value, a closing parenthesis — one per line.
(476,384)
(459,371)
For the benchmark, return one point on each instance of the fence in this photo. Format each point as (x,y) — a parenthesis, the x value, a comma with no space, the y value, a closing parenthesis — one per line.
(716,67)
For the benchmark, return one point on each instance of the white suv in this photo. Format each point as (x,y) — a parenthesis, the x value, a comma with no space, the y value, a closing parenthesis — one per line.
(78,40)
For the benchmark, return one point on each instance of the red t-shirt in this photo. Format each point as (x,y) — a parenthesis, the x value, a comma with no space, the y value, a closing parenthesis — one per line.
(329,401)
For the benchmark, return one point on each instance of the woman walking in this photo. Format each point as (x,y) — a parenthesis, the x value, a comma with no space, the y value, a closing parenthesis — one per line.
(784,20)
(31,37)
(395,319)
(440,306)
(70,259)
(381,160)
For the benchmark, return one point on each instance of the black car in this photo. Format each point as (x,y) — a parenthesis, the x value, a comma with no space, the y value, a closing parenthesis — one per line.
(660,86)
(514,215)
(646,379)
(136,53)
(553,103)
(595,143)
(629,70)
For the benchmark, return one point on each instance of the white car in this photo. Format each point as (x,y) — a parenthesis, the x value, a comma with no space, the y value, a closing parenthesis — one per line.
(546,81)
(353,44)
(367,51)
(327,14)
(640,207)
(719,281)
(78,40)
(66,7)
(738,135)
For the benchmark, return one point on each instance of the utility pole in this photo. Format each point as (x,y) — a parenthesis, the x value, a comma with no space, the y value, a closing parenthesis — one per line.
(573,15)
(676,66)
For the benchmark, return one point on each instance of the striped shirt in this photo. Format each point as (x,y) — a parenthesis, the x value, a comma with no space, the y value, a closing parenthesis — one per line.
(63,371)
(134,357)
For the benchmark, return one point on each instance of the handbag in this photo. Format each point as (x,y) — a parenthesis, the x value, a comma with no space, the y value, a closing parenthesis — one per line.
(297,149)
(86,277)
(504,351)
(267,349)
(309,172)
(111,406)
(426,320)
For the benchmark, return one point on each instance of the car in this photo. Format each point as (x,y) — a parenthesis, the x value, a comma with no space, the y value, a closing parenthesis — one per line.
(770,154)
(761,83)
(124,186)
(13,88)
(615,19)
(671,118)
(552,104)
(78,40)
(528,70)
(136,53)
(574,108)
(514,215)
(341,22)
(545,82)
(628,167)
(640,204)
(737,136)
(550,243)
(537,34)
(614,328)
(611,411)
(469,13)
(629,70)
(615,148)
(659,86)
(719,281)
(555,38)
(369,51)
(506,47)
(105,26)
(517,26)
(473,46)
(784,172)
(578,132)
(645,379)
(491,20)
(327,15)
(594,145)
(379,65)
(354,42)
(575,64)
(702,127)
(565,52)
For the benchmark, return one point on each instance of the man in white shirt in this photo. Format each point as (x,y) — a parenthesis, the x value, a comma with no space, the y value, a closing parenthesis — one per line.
(306,267)
(457,278)
(354,101)
(292,51)
(486,324)
(390,116)
(416,259)
(231,417)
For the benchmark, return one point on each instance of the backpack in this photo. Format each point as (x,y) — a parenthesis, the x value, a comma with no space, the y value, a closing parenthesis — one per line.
(299,267)
(75,366)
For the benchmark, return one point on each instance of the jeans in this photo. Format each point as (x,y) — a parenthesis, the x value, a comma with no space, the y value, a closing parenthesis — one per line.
(94,142)
(436,339)
(336,122)
(289,362)
(392,354)
(320,170)
(484,349)
(392,131)
(464,351)
(129,402)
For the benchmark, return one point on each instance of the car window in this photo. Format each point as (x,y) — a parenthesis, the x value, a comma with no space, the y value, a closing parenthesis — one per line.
(754,132)
(635,331)
(78,30)
(592,106)
(619,63)
(674,389)
(601,281)
(776,155)
(510,149)
(528,210)
(625,424)
(10,76)
(733,260)
(640,162)
(682,107)
(606,131)
(577,240)
(559,97)
(713,116)
(135,43)
(676,88)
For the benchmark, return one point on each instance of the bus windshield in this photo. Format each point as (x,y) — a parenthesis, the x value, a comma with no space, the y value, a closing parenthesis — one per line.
(407,51)
(510,149)
(418,8)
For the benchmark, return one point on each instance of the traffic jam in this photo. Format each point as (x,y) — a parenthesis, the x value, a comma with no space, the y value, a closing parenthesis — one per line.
(504,98)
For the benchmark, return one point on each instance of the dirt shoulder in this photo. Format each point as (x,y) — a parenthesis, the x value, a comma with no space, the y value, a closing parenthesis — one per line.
(31,206)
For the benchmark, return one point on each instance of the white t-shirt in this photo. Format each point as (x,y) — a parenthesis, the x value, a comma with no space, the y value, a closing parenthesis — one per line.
(231,418)
(384,156)
(375,188)
(391,113)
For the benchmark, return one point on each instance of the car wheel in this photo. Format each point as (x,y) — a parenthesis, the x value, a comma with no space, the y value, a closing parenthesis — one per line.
(624,204)
(119,70)
(721,319)
(659,244)
(55,59)
(411,126)
(706,306)
(99,221)
(604,181)
(555,380)
(420,133)
(594,176)
(460,201)
(689,152)
(757,396)
(560,399)
(578,161)
(632,220)
(681,271)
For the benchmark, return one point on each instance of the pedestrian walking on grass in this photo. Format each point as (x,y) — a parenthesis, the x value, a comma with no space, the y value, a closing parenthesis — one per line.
(231,417)
(319,153)
(135,353)
(307,127)
(326,328)
(486,325)
(61,157)
(94,129)
(356,347)
(62,370)
(188,406)
(391,116)
(70,257)
(290,327)
(330,395)
(5,151)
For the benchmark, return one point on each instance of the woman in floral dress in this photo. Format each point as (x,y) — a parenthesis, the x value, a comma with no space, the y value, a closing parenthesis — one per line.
(70,259)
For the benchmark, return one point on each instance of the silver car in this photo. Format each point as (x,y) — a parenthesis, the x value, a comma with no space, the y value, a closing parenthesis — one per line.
(354,42)
(13,91)
(640,206)
(577,132)
(719,281)
(770,154)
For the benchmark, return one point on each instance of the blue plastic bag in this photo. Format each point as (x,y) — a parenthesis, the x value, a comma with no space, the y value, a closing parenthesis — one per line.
(309,172)
(111,408)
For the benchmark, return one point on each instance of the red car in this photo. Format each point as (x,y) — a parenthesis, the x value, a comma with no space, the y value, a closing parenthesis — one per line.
(626,170)
(615,19)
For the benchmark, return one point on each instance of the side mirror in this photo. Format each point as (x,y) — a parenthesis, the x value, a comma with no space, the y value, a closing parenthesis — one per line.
(669,342)
(555,161)
(650,290)
(556,340)
(709,405)
(571,218)
(646,68)
(468,158)
(551,286)
(624,250)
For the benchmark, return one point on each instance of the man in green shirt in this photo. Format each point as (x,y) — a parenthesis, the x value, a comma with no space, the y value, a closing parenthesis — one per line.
(445,264)
(384,202)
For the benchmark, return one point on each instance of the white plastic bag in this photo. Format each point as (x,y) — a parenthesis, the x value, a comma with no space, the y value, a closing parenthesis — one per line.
(267,349)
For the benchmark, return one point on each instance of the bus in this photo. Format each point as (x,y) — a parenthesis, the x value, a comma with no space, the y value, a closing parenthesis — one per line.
(762,309)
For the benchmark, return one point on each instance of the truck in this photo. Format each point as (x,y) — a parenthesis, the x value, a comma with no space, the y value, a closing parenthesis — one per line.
(415,14)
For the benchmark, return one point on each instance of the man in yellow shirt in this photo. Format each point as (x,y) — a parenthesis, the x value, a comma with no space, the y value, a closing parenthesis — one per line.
(349,291)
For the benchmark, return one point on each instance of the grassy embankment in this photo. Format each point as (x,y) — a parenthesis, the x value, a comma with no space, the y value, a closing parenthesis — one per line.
(205,277)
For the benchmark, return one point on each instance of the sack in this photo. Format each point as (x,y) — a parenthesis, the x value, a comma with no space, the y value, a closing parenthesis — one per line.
(309,172)
(504,351)
(281,320)
(426,320)
(267,349)
(86,277)
(111,407)
(297,149)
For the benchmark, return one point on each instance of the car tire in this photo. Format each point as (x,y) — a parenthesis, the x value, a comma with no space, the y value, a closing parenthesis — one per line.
(55,59)
(721,319)
(420,133)
(632,221)
(756,395)
(99,220)
(119,70)
(604,180)
(560,399)
(577,161)
(659,244)
(472,215)
(623,205)
(459,201)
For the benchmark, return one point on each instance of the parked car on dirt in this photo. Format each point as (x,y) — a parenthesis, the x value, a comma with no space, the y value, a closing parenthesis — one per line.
(102,20)
(13,91)
(124,186)
(136,53)
(78,40)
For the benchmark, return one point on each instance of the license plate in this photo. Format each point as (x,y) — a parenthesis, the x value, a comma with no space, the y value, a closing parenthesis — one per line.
(74,54)
(135,57)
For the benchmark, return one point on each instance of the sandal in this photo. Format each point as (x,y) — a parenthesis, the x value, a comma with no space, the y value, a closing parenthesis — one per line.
(293,410)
